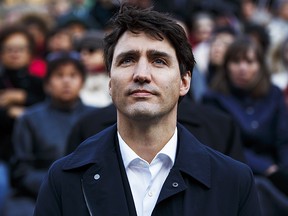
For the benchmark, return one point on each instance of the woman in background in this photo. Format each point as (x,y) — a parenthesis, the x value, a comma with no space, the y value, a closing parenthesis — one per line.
(243,89)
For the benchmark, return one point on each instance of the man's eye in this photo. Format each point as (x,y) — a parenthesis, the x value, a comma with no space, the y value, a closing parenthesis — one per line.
(160,61)
(126,61)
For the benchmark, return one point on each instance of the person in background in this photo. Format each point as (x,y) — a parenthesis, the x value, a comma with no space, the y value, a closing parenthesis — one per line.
(209,57)
(280,77)
(18,88)
(59,40)
(38,26)
(95,91)
(202,25)
(147,163)
(221,38)
(278,24)
(243,89)
(102,10)
(40,134)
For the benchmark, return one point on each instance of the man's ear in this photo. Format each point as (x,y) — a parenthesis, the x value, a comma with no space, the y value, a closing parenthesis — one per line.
(109,87)
(185,83)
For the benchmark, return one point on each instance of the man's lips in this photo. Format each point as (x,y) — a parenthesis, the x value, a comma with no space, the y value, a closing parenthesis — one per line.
(141,93)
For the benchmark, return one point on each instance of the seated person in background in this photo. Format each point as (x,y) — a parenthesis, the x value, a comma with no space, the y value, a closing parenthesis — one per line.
(18,88)
(40,134)
(95,91)
(243,90)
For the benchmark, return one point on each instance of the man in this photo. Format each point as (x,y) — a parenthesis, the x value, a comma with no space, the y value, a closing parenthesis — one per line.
(147,164)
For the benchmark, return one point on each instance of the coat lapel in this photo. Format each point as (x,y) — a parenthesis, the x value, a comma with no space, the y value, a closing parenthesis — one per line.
(192,160)
(103,188)
(103,184)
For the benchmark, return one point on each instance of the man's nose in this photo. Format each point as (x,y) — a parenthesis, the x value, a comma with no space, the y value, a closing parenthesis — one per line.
(142,71)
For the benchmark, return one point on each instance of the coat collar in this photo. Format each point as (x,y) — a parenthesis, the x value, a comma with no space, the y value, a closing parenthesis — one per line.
(192,156)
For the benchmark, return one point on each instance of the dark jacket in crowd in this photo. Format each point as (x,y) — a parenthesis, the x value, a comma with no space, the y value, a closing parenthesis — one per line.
(263,123)
(39,138)
(33,86)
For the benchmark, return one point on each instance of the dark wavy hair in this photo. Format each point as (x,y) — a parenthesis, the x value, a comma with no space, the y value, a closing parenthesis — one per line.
(153,23)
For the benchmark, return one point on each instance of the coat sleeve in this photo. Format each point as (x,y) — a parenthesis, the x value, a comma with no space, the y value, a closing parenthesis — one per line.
(249,203)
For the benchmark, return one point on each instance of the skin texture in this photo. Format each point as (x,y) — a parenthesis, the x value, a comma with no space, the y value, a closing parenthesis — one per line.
(145,86)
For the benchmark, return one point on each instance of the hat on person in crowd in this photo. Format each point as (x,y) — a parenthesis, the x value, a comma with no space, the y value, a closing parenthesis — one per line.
(56,59)
(90,40)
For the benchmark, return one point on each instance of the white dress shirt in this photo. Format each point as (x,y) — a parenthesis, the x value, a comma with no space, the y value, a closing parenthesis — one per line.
(146,180)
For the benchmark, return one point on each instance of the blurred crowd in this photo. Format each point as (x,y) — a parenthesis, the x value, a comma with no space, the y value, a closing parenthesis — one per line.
(52,75)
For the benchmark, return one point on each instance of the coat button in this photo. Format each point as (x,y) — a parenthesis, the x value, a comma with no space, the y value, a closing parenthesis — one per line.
(96,176)
(175,184)
(254,124)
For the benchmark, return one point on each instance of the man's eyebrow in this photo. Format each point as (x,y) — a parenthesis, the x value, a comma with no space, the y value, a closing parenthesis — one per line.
(134,53)
(157,53)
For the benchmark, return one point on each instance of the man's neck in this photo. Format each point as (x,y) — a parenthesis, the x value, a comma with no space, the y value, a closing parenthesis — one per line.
(146,140)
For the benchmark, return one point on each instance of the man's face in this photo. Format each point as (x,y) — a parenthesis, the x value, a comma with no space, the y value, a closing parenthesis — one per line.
(65,83)
(145,78)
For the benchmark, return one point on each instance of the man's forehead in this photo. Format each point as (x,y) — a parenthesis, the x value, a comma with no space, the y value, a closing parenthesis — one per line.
(142,42)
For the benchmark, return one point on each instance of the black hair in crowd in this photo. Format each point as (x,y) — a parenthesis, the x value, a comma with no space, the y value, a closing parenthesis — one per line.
(153,23)
(57,59)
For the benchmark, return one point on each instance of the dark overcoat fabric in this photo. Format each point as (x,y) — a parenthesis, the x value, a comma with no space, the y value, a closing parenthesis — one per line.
(92,181)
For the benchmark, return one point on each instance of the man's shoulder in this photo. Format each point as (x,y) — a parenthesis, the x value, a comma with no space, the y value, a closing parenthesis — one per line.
(218,162)
(90,151)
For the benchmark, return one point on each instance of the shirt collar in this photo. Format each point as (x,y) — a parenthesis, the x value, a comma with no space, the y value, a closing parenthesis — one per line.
(128,155)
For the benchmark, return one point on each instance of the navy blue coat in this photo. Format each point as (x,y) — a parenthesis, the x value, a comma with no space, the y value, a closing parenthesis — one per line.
(92,181)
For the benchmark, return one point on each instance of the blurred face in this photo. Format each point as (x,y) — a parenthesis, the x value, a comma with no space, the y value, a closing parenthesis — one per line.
(92,59)
(283,11)
(219,46)
(65,83)
(244,72)
(204,28)
(76,30)
(15,53)
(37,34)
(248,8)
(145,78)
(61,41)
